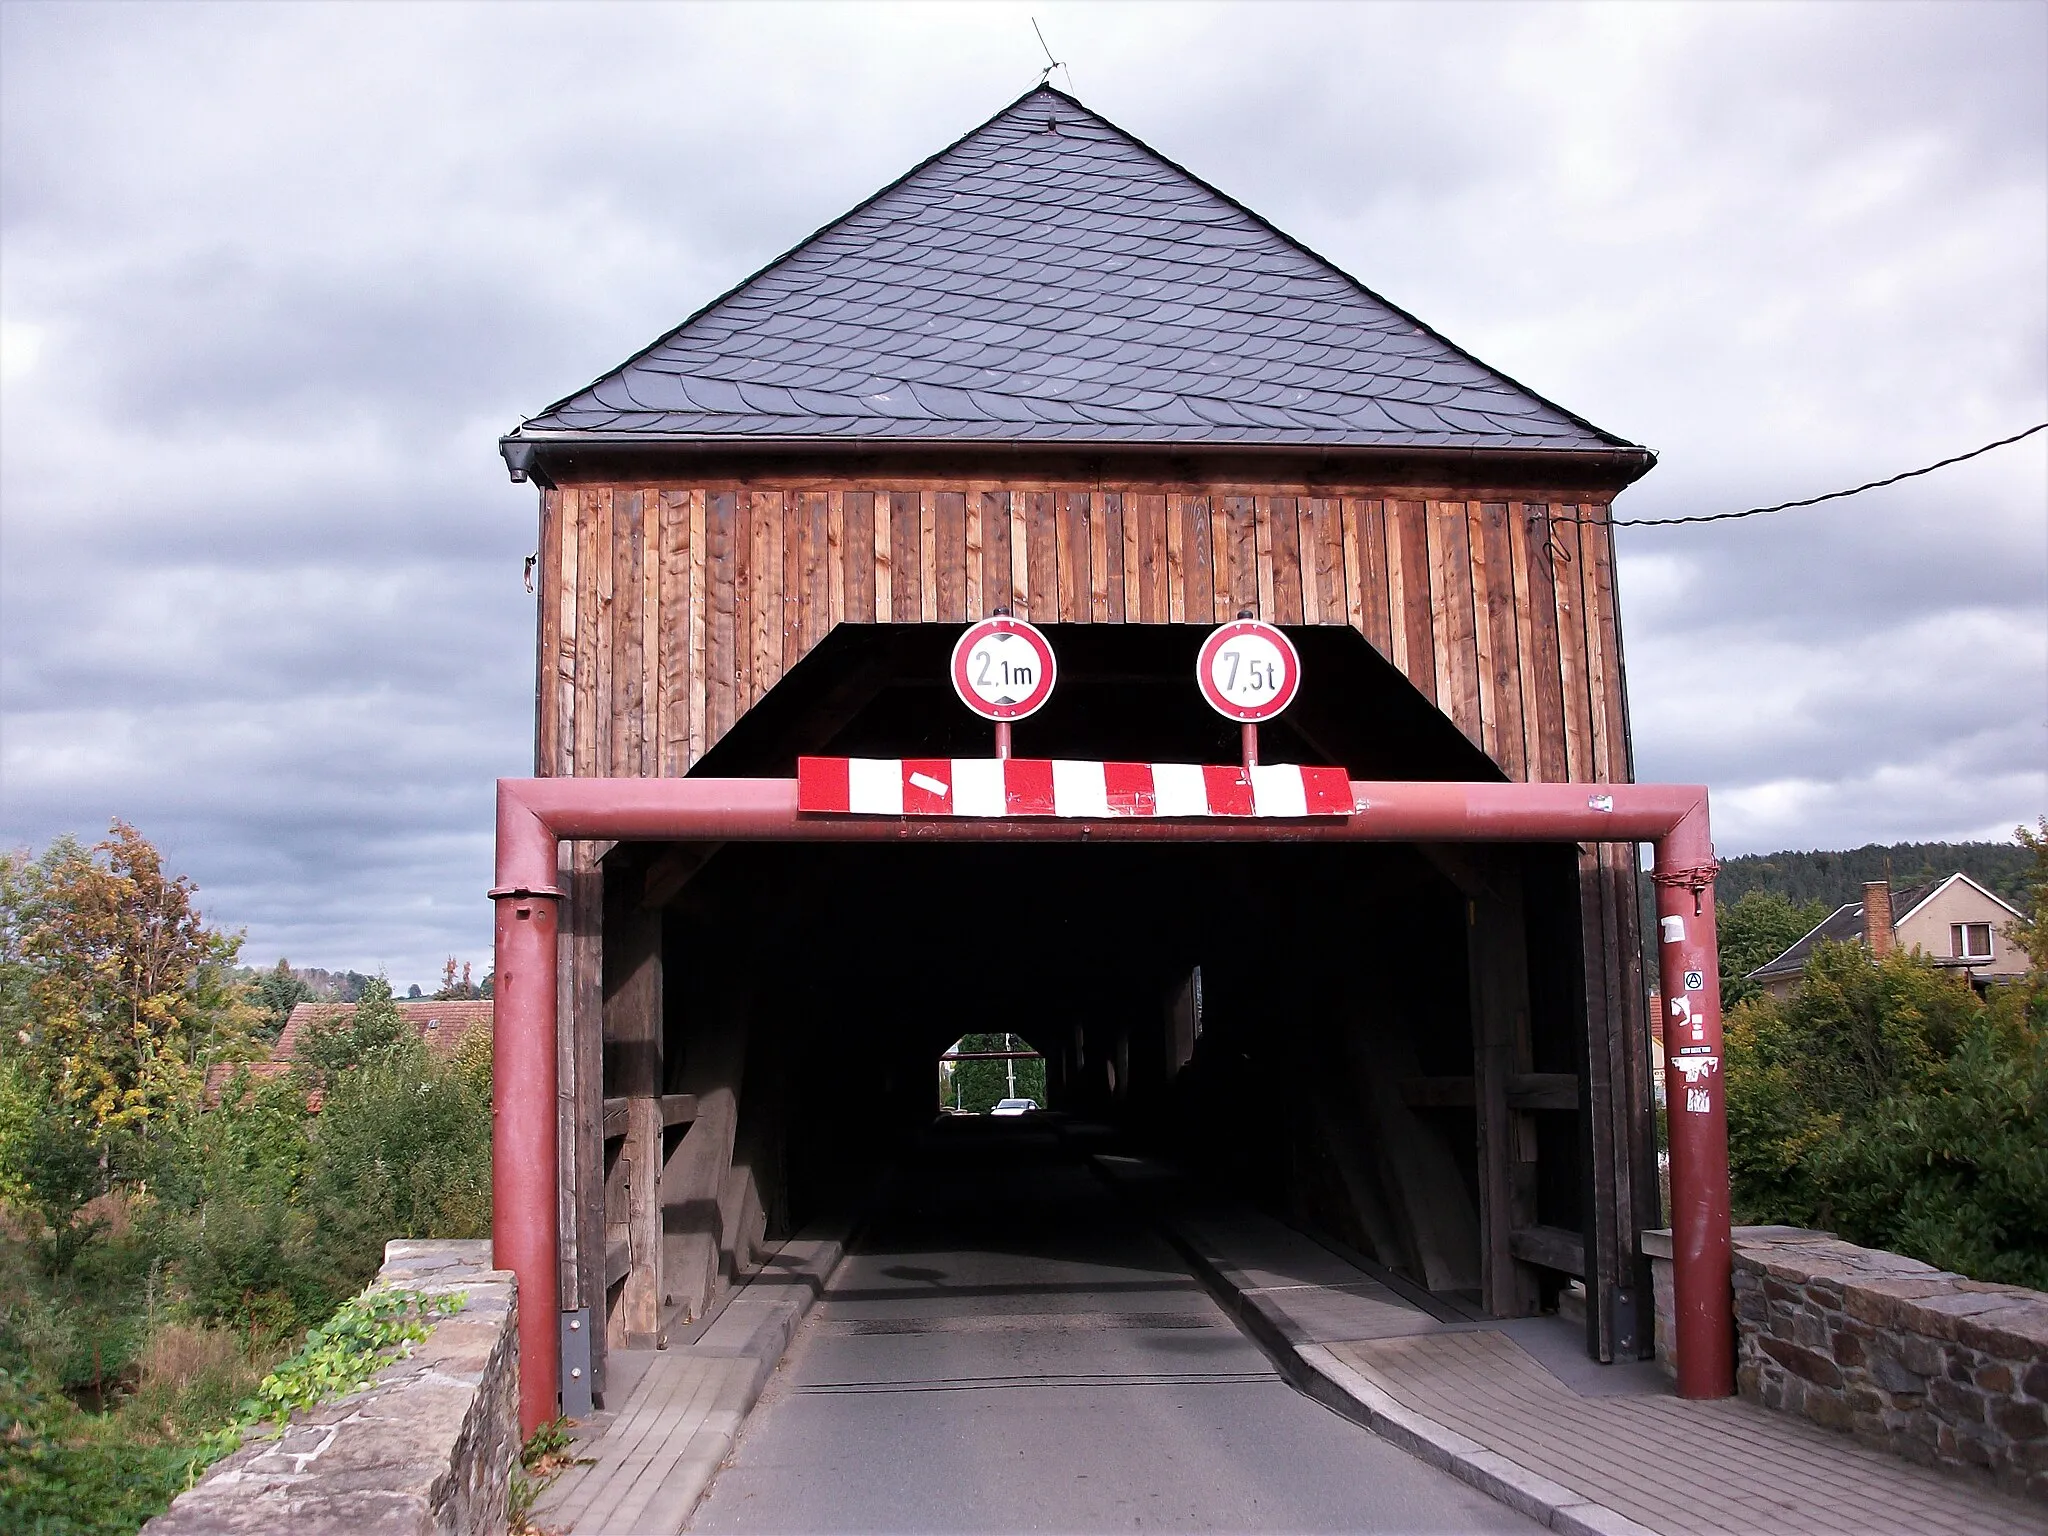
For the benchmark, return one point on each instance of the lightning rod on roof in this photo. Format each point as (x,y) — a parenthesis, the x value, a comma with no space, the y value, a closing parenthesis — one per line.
(1051,63)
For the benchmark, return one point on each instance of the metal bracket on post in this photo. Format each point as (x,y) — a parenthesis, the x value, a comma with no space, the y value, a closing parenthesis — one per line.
(1621,1305)
(576,1402)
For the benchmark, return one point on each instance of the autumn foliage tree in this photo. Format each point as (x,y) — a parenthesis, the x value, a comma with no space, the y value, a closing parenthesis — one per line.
(113,977)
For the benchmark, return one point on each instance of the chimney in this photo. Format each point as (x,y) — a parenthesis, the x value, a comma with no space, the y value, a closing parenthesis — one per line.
(1877,918)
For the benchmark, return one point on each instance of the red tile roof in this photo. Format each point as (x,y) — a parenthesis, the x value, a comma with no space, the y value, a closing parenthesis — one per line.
(443,1025)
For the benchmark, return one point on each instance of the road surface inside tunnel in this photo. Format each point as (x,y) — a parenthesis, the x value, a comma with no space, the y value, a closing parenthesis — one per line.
(1007,1347)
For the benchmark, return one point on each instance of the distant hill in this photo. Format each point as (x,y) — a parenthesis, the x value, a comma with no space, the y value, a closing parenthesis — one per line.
(1838,877)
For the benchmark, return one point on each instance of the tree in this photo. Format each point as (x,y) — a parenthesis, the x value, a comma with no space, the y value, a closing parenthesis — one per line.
(1759,927)
(372,1031)
(112,977)
(454,988)
(278,992)
(2030,932)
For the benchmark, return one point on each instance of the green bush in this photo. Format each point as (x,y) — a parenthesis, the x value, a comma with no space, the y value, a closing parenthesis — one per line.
(1886,1101)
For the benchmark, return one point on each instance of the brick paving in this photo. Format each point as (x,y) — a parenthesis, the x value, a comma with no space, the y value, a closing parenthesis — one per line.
(1671,1465)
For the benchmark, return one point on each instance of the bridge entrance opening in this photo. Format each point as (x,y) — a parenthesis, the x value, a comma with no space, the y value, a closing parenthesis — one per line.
(1296,1021)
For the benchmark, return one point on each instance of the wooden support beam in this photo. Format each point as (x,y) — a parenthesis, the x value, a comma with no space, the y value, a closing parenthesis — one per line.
(633,1072)
(1543,1090)
(618,1260)
(1525,1091)
(1551,1247)
(1497,970)
(673,1108)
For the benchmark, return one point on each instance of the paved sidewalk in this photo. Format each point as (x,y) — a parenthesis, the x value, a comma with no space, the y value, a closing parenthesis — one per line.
(1516,1409)
(645,1466)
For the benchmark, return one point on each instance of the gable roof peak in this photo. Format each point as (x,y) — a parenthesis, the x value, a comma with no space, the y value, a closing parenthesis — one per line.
(1048,278)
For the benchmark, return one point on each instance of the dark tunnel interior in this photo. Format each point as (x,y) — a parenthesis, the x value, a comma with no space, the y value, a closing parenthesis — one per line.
(1260,1012)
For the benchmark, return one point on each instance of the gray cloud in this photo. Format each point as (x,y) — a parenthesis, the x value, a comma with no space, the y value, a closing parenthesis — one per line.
(274,278)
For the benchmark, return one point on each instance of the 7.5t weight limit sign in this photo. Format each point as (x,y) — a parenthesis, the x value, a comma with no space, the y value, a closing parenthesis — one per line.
(1003,669)
(1248,671)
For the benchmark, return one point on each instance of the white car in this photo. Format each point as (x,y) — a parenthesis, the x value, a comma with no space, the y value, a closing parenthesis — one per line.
(1015,1107)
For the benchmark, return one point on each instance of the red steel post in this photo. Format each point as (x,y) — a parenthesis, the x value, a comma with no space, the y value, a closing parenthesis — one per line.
(525,1236)
(1696,1109)
(1250,735)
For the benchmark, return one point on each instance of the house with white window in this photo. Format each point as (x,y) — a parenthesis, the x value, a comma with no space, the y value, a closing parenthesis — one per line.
(1954,922)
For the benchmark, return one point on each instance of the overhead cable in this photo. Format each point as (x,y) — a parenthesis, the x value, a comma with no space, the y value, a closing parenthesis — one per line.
(1811,501)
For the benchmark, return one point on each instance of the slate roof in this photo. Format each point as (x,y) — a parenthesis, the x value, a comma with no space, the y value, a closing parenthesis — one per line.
(1844,925)
(1050,279)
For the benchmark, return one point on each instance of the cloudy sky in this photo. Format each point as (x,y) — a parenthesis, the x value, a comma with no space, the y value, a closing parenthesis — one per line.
(274,278)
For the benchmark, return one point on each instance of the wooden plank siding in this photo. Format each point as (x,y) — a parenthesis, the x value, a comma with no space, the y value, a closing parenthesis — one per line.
(667,611)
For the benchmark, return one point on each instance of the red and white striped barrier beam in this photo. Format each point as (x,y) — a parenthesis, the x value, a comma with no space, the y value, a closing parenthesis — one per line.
(1016,786)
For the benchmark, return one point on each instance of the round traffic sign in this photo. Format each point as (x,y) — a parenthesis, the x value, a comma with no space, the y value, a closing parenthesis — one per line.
(1248,671)
(1003,668)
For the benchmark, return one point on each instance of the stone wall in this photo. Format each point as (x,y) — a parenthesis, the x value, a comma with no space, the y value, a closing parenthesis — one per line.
(1917,1360)
(427,1447)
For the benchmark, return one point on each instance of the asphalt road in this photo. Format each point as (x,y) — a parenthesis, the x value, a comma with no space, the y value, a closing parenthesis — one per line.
(1007,1349)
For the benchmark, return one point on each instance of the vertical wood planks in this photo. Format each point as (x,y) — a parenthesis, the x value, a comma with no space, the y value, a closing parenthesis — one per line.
(1284,558)
(1242,535)
(1198,558)
(858,509)
(1042,556)
(722,588)
(1262,557)
(1374,599)
(764,654)
(1504,670)
(665,612)
(977,603)
(835,560)
(1408,558)
(949,556)
(1116,582)
(1176,562)
(816,618)
(604,725)
(1077,585)
(885,557)
(1571,645)
(927,557)
(906,561)
(1020,556)
(996,590)
(700,621)
(675,611)
(1098,560)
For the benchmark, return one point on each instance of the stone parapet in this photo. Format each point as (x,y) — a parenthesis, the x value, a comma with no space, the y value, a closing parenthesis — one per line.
(1920,1361)
(426,1449)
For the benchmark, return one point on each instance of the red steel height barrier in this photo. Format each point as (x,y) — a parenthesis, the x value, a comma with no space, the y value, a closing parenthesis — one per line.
(535,814)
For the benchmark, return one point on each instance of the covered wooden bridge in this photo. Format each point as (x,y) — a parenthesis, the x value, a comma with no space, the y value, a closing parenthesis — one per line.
(1049,373)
